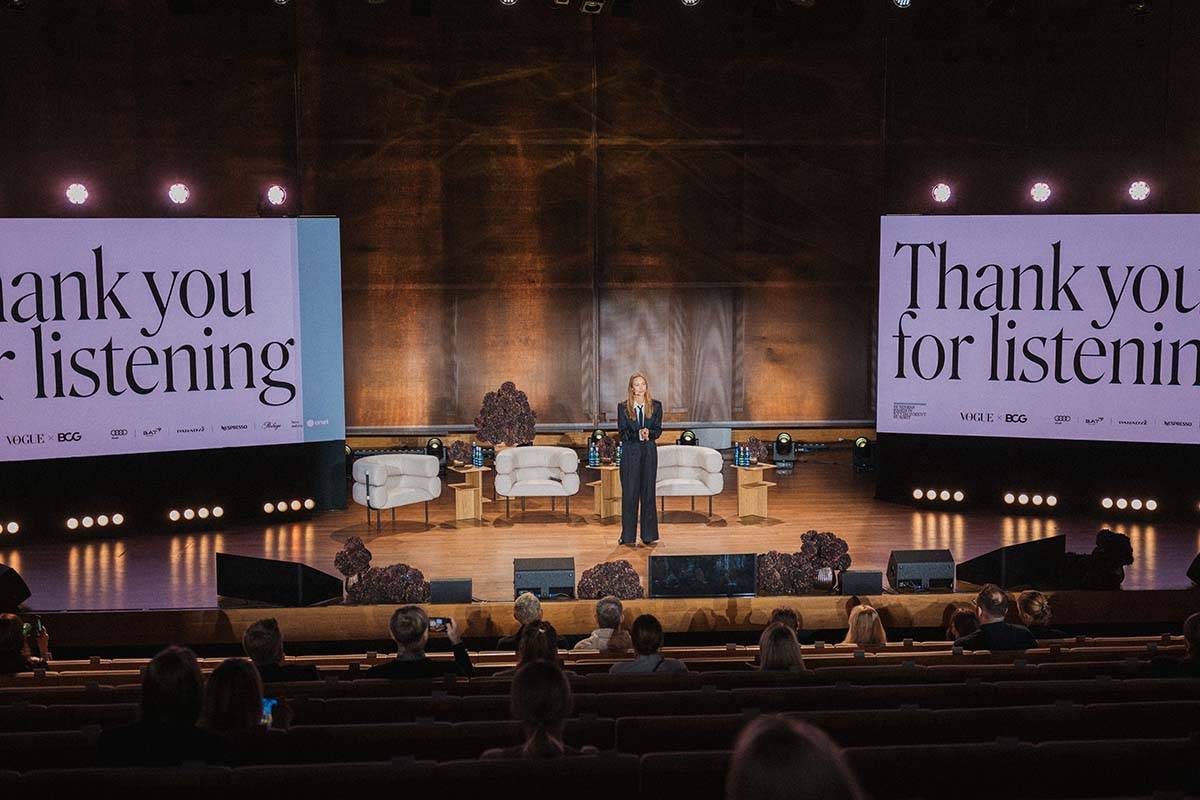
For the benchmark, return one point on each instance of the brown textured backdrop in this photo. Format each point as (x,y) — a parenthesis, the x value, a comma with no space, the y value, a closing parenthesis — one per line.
(535,194)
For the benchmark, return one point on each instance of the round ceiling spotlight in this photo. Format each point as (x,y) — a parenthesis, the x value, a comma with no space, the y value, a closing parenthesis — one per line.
(918,494)
(941,193)
(77,194)
(690,3)
(13,527)
(1151,505)
(1107,502)
(959,496)
(179,193)
(1040,192)
(276,195)
(1139,190)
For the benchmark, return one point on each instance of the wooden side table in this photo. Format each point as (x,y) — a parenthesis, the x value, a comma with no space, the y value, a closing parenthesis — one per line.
(606,492)
(752,490)
(468,495)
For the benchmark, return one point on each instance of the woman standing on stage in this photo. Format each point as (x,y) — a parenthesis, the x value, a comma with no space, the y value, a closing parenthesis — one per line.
(639,421)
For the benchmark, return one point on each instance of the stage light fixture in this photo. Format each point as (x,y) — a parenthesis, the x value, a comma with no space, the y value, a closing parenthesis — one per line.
(72,524)
(1135,504)
(1051,500)
(1151,505)
(87,522)
(784,446)
(1023,499)
(189,514)
(1122,502)
(1009,498)
(591,6)
(1040,192)
(433,447)
(173,515)
(902,3)
(691,3)
(310,504)
(561,3)
(941,193)
(281,506)
(1139,190)
(218,512)
(930,494)
(276,195)
(944,495)
(296,505)
(179,193)
(1140,7)
(918,494)
(118,519)
(202,512)
(1106,502)
(1037,499)
(77,194)
(597,435)
(687,438)
(268,508)
(102,520)
(508,2)
(13,527)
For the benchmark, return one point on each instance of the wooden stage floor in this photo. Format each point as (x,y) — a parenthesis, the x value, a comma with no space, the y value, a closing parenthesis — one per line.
(169,569)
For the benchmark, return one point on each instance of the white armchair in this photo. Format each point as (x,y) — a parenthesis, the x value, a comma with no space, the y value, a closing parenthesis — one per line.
(390,481)
(688,471)
(537,472)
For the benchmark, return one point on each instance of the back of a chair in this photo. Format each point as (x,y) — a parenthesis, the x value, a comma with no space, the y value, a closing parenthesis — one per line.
(689,462)
(376,470)
(178,783)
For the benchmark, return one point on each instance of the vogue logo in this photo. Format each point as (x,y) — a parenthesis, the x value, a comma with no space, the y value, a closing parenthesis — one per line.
(977,416)
(25,438)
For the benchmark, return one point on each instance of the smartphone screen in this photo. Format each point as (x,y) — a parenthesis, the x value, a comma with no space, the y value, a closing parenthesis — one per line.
(268,709)
(438,623)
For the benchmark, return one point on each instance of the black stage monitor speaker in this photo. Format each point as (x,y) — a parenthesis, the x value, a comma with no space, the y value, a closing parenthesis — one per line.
(546,578)
(450,590)
(278,583)
(862,582)
(1194,570)
(921,571)
(13,590)
(728,575)
(1034,563)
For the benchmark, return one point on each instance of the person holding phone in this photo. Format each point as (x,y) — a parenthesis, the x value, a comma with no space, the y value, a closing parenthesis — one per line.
(639,423)
(24,646)
(410,628)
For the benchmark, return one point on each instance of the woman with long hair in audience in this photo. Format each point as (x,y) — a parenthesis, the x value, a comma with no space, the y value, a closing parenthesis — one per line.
(538,642)
(864,627)
(542,701)
(781,759)
(1034,608)
(233,697)
(962,622)
(778,650)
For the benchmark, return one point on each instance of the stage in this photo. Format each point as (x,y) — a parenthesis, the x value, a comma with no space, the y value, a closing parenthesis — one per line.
(170,569)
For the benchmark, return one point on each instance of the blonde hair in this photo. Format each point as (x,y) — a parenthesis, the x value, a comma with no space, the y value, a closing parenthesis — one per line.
(1034,607)
(864,627)
(629,397)
(778,649)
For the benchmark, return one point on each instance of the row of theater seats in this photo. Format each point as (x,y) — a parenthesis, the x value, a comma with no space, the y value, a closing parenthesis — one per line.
(639,735)
(1066,769)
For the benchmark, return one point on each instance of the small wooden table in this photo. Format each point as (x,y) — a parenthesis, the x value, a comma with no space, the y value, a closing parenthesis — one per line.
(752,490)
(606,492)
(468,495)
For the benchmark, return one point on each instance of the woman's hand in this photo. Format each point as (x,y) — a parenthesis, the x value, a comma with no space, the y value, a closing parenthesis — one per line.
(644,434)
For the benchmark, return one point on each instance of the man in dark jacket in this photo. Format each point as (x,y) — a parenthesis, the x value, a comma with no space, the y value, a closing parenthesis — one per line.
(263,643)
(410,630)
(994,633)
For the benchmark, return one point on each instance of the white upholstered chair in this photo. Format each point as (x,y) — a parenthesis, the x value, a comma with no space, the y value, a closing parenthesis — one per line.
(390,481)
(688,471)
(537,472)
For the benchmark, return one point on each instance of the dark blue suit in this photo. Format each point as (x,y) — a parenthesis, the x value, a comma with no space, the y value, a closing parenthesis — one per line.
(639,472)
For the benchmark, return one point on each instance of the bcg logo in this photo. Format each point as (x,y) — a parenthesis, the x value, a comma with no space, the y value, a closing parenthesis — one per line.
(70,436)
(1019,419)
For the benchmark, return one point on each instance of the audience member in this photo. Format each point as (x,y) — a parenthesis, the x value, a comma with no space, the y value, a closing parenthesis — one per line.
(778,650)
(410,630)
(608,620)
(1187,666)
(15,652)
(540,643)
(789,617)
(994,633)
(781,759)
(526,609)
(233,700)
(1034,609)
(542,701)
(166,735)
(962,622)
(647,636)
(864,627)
(263,643)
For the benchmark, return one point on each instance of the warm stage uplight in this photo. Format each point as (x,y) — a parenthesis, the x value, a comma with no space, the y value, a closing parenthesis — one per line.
(77,194)
(941,193)
(1139,190)
(1040,192)
(179,193)
(276,195)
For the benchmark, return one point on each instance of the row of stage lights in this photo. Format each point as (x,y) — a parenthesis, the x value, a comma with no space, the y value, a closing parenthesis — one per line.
(945,495)
(1040,192)
(178,194)
(1136,504)
(100,520)
(189,514)
(1025,499)
(283,506)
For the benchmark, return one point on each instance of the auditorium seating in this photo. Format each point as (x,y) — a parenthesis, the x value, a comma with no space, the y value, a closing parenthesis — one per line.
(394,480)
(537,472)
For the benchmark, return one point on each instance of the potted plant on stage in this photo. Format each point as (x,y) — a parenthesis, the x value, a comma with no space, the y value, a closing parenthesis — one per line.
(506,418)
(814,569)
(758,450)
(607,449)
(459,452)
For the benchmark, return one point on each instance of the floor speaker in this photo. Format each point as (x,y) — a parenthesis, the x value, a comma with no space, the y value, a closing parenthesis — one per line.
(13,590)
(921,571)
(861,582)
(450,590)
(1025,565)
(546,578)
(276,583)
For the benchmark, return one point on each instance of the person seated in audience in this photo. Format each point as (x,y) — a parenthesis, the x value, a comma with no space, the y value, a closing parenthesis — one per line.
(540,643)
(778,650)
(16,655)
(527,609)
(994,633)
(542,701)
(864,627)
(782,759)
(410,630)
(1187,666)
(789,617)
(1034,608)
(166,735)
(233,700)
(962,622)
(647,635)
(263,643)
(608,636)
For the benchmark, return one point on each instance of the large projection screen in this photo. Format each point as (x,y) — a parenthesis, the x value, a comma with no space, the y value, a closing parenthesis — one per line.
(126,336)
(1041,326)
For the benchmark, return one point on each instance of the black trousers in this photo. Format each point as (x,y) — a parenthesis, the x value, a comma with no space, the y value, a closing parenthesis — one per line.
(639,473)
